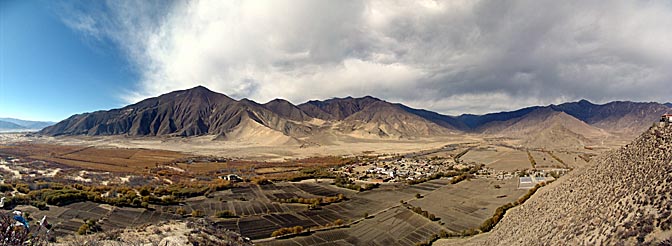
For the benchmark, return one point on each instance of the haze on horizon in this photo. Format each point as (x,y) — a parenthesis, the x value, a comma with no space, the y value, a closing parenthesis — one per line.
(61,58)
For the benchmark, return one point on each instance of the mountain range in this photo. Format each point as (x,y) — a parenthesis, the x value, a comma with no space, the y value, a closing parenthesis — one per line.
(11,124)
(199,111)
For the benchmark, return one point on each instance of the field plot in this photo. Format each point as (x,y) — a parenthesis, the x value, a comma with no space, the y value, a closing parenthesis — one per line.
(396,226)
(94,158)
(499,158)
(571,159)
(66,220)
(544,160)
(467,204)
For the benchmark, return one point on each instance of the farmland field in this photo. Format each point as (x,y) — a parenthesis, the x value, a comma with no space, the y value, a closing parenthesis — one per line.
(467,204)
(179,186)
(91,158)
(499,158)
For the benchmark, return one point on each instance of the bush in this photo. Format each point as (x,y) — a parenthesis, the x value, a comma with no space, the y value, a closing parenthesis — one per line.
(6,188)
(83,229)
(225,214)
(196,213)
(286,231)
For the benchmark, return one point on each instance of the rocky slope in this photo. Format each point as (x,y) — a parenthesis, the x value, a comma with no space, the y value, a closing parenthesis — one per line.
(625,198)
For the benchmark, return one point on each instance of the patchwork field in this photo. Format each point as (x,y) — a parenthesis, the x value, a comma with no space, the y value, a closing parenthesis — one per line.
(499,158)
(544,160)
(467,204)
(93,158)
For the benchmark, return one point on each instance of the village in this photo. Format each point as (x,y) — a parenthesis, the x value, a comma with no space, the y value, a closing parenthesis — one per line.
(402,169)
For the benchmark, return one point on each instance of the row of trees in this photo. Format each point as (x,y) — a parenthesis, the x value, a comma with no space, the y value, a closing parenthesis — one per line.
(42,193)
(316,200)
(287,231)
(424,213)
(345,182)
(499,213)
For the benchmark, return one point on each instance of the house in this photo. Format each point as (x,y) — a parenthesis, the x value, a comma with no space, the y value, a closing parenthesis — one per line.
(232,178)
(666,118)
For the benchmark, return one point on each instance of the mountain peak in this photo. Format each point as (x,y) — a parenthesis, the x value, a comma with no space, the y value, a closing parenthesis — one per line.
(200,89)
(583,102)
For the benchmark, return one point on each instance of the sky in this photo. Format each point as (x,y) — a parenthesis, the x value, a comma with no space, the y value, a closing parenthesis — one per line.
(59,58)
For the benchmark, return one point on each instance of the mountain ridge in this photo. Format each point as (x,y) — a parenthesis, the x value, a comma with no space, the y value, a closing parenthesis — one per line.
(199,111)
(13,124)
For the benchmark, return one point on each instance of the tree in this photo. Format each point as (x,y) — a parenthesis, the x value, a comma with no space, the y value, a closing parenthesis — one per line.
(83,229)
(196,213)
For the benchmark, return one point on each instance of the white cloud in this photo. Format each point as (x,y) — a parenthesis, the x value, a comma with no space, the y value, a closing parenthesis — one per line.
(449,56)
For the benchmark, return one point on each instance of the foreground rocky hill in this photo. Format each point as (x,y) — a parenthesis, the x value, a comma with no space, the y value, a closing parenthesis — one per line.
(625,198)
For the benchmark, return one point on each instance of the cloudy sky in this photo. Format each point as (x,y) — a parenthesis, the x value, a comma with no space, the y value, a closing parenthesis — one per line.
(451,56)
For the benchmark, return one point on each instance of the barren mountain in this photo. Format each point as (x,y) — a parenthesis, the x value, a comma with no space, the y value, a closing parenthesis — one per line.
(619,116)
(197,111)
(623,199)
(546,128)
(626,118)
(287,110)
(28,124)
(9,126)
(385,119)
(337,108)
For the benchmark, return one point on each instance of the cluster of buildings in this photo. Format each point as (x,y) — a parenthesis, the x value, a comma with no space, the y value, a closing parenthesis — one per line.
(399,170)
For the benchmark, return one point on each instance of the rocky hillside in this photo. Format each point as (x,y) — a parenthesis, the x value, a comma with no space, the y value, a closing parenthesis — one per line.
(625,198)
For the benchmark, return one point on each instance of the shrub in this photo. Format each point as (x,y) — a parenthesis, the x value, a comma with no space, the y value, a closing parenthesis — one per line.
(225,214)
(6,187)
(196,213)
(286,231)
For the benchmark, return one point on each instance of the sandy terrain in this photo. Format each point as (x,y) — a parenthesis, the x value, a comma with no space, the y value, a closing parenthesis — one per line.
(252,149)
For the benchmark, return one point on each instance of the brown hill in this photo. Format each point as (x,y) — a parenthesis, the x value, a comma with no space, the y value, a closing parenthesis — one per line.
(623,199)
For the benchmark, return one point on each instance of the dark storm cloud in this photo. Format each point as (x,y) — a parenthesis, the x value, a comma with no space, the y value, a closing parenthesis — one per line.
(449,56)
